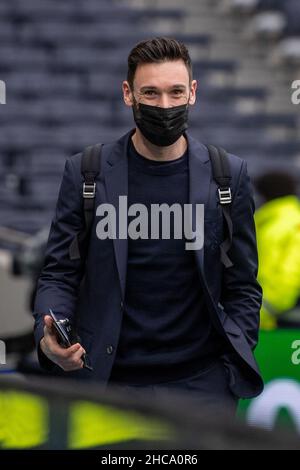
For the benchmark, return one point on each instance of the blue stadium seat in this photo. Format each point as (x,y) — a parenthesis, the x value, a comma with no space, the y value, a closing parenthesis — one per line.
(16,57)
(41,84)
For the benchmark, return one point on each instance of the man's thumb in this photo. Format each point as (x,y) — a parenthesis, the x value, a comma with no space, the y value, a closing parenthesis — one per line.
(48,322)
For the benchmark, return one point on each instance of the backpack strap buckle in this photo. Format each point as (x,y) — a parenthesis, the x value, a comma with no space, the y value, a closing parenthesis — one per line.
(225,195)
(89,190)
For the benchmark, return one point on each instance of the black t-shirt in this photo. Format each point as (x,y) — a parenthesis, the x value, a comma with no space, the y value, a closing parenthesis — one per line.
(166,332)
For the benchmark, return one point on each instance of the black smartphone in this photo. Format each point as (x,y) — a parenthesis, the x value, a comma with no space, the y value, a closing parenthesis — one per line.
(63,330)
(67,337)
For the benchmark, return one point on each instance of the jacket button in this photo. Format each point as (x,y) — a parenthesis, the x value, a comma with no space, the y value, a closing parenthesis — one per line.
(122,305)
(109,349)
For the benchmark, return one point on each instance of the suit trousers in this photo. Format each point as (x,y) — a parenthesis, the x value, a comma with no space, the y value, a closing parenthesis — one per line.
(207,389)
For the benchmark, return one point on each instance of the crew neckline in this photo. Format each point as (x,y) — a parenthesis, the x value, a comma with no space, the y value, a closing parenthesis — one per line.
(146,165)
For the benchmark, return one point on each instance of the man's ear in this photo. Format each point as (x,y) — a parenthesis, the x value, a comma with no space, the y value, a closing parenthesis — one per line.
(193,89)
(127,93)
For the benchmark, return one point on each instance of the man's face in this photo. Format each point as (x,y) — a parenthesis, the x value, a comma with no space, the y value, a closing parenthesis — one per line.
(165,85)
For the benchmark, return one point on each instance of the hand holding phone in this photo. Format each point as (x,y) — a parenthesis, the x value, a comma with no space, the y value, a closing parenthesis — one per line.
(67,336)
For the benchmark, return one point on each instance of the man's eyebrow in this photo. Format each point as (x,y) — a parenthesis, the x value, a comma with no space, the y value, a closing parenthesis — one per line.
(150,87)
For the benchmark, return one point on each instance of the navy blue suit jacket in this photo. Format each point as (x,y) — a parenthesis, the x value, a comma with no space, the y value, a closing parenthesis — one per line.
(92,296)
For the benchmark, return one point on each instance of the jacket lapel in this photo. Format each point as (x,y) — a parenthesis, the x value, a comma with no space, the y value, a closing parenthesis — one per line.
(199,180)
(116,183)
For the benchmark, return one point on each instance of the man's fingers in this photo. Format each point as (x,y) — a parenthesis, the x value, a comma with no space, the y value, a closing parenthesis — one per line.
(67,358)
(73,356)
(78,354)
(55,348)
(73,361)
(76,350)
(63,353)
(72,349)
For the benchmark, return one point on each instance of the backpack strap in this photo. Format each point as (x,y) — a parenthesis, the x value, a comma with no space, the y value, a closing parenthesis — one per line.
(90,168)
(222,176)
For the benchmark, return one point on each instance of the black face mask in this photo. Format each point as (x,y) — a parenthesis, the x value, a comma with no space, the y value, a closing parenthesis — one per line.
(161,126)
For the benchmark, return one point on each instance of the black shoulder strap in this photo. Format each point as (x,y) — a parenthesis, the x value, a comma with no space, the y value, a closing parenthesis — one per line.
(90,168)
(222,176)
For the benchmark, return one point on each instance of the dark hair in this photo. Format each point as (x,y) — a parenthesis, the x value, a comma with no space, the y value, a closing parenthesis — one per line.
(157,50)
(276,183)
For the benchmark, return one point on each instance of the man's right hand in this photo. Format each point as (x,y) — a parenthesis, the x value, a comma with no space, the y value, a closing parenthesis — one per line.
(66,358)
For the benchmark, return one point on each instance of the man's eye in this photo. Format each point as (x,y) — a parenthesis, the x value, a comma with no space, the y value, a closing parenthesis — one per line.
(177,92)
(149,93)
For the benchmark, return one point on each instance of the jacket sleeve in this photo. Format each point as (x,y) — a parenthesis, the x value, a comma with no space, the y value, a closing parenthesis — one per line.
(60,276)
(241,293)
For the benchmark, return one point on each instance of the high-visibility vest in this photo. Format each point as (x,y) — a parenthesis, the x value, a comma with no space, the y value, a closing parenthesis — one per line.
(278,243)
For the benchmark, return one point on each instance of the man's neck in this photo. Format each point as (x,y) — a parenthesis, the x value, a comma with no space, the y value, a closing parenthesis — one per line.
(154,152)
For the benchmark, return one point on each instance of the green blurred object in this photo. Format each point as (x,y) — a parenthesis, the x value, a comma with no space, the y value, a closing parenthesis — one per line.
(278,354)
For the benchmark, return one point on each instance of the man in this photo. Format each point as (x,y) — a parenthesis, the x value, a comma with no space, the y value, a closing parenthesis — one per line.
(150,312)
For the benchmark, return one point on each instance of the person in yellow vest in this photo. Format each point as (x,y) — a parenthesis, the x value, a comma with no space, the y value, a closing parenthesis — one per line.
(278,240)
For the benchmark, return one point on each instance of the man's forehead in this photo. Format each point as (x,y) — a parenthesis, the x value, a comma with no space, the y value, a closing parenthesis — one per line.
(164,74)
